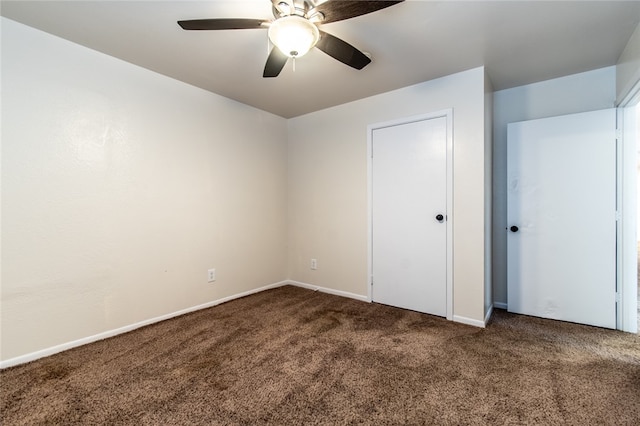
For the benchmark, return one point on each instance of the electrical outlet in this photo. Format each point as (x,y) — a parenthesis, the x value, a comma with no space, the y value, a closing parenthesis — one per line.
(314,264)
(211,275)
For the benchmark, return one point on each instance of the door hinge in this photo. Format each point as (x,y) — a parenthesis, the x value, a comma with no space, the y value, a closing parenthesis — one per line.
(618,134)
(617,297)
(617,216)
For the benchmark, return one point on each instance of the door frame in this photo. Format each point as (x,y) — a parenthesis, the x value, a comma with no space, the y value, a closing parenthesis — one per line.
(627,267)
(448,115)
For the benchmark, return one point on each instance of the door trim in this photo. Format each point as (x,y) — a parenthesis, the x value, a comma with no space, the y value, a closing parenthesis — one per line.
(627,174)
(448,115)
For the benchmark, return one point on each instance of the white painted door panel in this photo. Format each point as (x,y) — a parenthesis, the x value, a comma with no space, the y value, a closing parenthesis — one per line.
(408,192)
(562,197)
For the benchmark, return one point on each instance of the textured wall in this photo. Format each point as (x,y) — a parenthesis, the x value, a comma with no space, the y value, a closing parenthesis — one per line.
(120,188)
(582,92)
(628,67)
(328,186)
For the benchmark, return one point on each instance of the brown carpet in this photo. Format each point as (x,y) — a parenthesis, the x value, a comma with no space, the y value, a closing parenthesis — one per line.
(292,356)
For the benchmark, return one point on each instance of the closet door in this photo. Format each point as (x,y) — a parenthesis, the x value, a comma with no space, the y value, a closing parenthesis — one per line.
(561,211)
(409,201)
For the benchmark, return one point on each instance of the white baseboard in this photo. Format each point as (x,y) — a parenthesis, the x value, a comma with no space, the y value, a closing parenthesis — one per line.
(111,333)
(469,321)
(22,359)
(487,317)
(456,318)
(500,305)
(328,290)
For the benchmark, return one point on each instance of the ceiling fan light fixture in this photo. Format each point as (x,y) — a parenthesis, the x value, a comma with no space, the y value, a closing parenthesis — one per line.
(293,35)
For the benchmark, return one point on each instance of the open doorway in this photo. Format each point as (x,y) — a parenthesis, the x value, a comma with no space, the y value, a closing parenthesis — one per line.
(628,213)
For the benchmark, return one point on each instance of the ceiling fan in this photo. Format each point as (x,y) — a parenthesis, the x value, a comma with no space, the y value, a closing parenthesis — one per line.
(294,31)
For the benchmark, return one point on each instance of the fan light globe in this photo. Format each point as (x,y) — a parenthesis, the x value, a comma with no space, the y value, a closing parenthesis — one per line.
(293,35)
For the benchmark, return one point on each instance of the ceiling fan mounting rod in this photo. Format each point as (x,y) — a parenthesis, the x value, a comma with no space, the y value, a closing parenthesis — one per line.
(283,8)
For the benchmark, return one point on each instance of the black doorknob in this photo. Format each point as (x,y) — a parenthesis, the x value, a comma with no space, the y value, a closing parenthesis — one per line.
(439,218)
(514,228)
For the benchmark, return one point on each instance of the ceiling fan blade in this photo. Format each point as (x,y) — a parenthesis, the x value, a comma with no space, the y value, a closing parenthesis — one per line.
(342,51)
(222,24)
(337,10)
(275,63)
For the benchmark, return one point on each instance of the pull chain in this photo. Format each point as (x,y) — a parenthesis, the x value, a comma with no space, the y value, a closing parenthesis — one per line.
(294,64)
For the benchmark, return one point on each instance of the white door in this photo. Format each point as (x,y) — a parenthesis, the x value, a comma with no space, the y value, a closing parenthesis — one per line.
(409,201)
(561,212)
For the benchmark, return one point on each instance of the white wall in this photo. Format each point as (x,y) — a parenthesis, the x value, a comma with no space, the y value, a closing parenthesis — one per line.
(488,194)
(628,67)
(120,188)
(582,92)
(328,187)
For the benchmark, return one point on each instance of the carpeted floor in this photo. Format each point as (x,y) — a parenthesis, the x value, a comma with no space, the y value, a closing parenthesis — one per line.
(291,356)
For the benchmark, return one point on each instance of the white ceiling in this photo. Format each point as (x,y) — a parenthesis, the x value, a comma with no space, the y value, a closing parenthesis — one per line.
(519,42)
